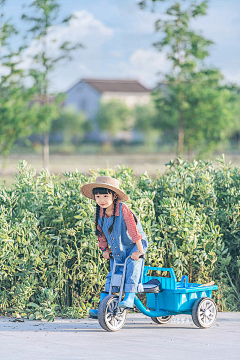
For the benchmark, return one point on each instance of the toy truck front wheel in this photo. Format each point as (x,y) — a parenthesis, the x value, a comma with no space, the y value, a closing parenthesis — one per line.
(108,317)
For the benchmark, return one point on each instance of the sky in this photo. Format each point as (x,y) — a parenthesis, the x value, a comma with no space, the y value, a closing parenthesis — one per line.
(118,37)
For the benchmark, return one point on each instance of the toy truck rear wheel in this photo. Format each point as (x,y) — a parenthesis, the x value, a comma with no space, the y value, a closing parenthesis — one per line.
(108,317)
(204,312)
(161,319)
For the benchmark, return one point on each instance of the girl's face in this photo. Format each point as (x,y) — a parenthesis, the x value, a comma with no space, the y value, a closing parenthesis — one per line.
(104,200)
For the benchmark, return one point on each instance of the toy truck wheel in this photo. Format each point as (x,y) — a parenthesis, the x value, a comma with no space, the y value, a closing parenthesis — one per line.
(204,312)
(108,317)
(161,319)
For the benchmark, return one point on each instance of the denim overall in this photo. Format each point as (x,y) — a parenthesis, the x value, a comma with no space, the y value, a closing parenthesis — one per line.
(122,246)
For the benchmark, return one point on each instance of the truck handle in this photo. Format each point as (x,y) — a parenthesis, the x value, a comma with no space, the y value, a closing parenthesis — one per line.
(170,270)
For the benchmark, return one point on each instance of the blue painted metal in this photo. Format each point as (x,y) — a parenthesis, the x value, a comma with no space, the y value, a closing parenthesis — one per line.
(146,311)
(182,283)
(153,313)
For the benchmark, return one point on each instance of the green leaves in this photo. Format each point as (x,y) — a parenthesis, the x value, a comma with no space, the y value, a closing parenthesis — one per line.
(49,258)
(117,110)
(191,100)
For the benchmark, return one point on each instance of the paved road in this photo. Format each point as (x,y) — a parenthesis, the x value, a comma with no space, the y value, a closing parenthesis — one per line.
(140,338)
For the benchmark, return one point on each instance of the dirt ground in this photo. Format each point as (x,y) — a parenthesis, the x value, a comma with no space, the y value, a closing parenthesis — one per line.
(61,163)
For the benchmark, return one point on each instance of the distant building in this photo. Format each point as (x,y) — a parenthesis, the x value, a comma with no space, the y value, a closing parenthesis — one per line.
(87,94)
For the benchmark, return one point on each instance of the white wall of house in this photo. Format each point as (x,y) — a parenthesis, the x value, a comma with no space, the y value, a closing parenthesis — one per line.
(84,98)
(131,99)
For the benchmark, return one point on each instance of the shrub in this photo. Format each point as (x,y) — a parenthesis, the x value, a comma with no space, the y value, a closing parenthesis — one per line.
(49,259)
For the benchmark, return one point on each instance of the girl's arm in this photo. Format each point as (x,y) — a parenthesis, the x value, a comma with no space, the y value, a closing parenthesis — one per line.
(137,254)
(102,241)
(133,232)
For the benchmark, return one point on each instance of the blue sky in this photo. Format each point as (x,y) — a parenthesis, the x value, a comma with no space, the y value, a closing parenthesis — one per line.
(118,39)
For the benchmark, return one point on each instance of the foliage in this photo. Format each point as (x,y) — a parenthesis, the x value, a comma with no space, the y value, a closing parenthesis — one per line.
(72,124)
(193,101)
(208,110)
(49,259)
(43,18)
(146,118)
(114,116)
(17,119)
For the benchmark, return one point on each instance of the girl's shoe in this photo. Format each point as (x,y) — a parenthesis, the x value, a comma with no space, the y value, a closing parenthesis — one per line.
(94,313)
(128,301)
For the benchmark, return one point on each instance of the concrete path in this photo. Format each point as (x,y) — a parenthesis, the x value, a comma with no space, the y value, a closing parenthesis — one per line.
(140,338)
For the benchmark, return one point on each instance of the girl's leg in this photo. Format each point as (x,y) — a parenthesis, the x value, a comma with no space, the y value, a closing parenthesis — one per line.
(108,280)
(119,270)
(134,273)
(133,282)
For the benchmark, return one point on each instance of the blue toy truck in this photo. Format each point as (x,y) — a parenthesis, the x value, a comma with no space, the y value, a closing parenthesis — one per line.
(165,297)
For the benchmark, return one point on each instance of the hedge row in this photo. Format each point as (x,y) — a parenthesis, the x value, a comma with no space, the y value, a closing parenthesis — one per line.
(49,260)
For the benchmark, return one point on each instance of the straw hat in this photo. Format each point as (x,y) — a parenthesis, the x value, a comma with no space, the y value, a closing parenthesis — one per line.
(104,182)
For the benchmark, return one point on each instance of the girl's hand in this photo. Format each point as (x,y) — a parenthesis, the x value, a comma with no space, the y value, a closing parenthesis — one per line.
(135,255)
(106,254)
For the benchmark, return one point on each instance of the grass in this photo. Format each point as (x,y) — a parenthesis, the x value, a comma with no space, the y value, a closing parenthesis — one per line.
(59,163)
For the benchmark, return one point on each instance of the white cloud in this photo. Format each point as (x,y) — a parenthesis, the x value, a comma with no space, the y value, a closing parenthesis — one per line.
(145,66)
(117,54)
(124,48)
(231,76)
(4,71)
(83,28)
(221,22)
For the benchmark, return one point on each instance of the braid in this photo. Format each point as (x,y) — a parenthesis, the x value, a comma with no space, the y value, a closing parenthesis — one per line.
(97,232)
(104,210)
(114,212)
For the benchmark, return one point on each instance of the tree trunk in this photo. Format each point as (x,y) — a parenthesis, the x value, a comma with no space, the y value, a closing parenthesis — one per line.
(190,153)
(180,133)
(46,151)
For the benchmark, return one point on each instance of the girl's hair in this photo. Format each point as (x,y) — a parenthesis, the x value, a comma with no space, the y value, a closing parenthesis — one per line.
(103,191)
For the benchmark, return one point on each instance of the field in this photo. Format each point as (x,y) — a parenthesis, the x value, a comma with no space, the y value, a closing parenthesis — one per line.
(150,162)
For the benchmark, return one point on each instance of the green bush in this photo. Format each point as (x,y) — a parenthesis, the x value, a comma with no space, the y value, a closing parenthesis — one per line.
(49,259)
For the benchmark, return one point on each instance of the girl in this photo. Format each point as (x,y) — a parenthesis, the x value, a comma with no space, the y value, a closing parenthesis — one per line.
(120,233)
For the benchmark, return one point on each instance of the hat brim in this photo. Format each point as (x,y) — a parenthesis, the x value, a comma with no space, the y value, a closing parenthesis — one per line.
(88,188)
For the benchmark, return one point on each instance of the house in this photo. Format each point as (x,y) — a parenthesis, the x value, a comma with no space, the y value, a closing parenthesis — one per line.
(87,94)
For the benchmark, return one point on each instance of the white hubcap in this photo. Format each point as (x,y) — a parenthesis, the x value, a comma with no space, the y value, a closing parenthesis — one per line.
(114,320)
(207,312)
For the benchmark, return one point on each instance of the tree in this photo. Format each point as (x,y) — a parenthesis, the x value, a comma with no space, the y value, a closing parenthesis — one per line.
(45,16)
(114,116)
(72,124)
(195,102)
(16,116)
(208,110)
(146,119)
(236,135)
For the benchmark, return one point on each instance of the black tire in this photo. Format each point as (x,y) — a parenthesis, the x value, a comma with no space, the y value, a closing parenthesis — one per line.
(162,319)
(107,317)
(204,312)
